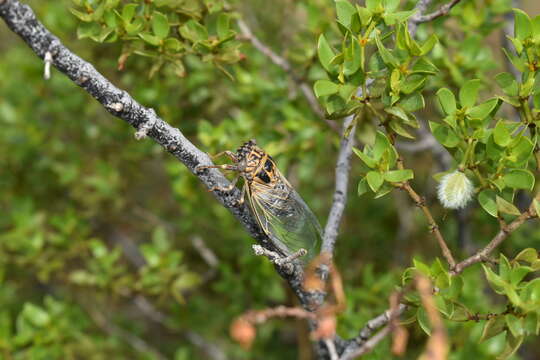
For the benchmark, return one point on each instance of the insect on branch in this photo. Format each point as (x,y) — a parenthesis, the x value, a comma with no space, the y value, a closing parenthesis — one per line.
(22,21)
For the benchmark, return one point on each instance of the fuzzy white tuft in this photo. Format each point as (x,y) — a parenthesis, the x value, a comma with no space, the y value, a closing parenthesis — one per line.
(455,190)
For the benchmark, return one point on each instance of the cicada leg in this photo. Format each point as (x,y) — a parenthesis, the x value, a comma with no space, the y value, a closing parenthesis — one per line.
(241,200)
(222,167)
(226,188)
(229,154)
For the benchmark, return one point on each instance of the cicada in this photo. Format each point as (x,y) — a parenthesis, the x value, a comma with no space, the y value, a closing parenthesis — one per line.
(279,210)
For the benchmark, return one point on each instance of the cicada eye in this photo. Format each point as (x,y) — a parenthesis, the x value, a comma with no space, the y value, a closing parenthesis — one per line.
(268,165)
(263,176)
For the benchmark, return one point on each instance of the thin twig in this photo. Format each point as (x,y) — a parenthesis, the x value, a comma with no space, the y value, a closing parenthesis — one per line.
(420,8)
(434,228)
(378,322)
(206,253)
(287,67)
(343,168)
(443,10)
(331,349)
(278,259)
(135,342)
(21,20)
(152,313)
(503,233)
(368,345)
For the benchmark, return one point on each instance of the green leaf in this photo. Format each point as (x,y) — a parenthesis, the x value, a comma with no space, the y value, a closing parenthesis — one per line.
(508,83)
(223,26)
(506,207)
(383,190)
(365,158)
(483,110)
(325,53)
(345,12)
(519,179)
(422,267)
(518,62)
(469,92)
(501,134)
(428,44)
(374,5)
(35,315)
(382,145)
(486,198)
(412,83)
(515,324)
(193,31)
(390,5)
(151,39)
(128,12)
(495,281)
(365,15)
(133,28)
(160,25)
(352,58)
(512,345)
(412,102)
(423,320)
(522,24)
(529,255)
(517,274)
(346,91)
(385,54)
(493,327)
(444,135)
(81,15)
(398,175)
(173,44)
(521,150)
(400,130)
(400,16)
(374,180)
(423,66)
(325,88)
(397,112)
(362,187)
(447,101)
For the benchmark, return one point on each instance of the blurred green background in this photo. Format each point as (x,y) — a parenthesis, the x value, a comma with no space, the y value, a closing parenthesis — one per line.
(104,240)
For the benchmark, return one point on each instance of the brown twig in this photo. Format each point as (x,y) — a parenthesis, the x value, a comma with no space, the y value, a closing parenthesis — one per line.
(503,233)
(434,228)
(243,328)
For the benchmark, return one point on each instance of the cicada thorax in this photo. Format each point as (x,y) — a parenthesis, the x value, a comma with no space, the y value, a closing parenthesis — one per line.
(256,166)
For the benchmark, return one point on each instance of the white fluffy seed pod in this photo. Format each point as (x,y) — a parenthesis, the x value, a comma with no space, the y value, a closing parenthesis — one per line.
(455,190)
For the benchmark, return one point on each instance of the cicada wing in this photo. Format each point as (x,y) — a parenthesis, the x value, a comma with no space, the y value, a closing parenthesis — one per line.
(286,218)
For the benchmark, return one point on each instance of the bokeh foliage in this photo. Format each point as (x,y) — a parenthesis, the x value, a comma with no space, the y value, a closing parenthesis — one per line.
(94,221)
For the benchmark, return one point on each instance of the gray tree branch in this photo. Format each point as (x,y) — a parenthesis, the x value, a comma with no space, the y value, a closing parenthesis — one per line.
(343,168)
(22,21)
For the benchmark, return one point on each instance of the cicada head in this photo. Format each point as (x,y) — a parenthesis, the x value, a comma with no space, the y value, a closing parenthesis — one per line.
(255,164)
